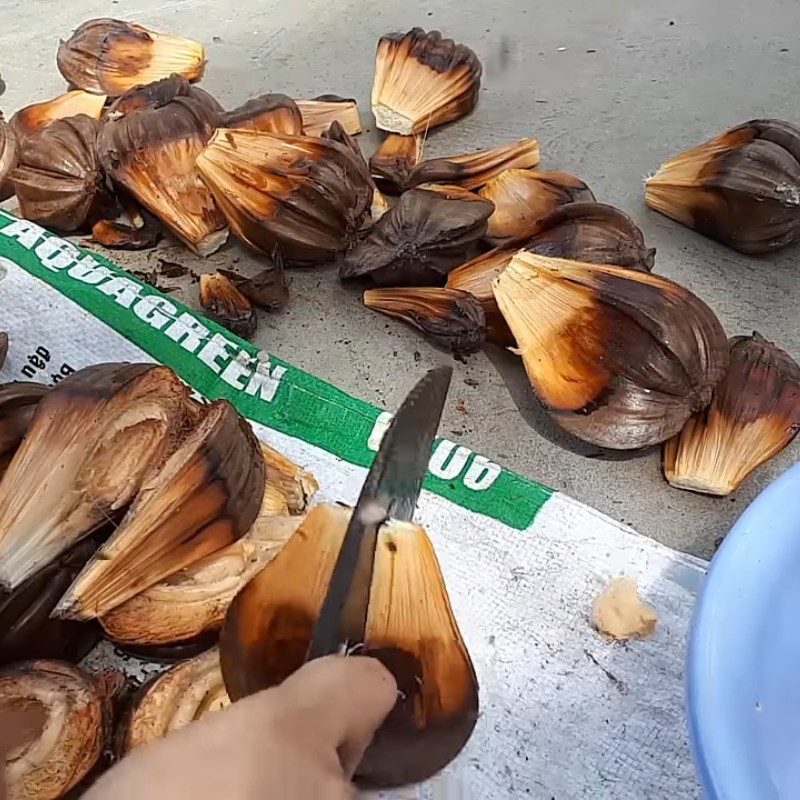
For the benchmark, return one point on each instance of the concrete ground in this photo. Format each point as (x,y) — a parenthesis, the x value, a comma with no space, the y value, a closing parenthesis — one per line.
(611,88)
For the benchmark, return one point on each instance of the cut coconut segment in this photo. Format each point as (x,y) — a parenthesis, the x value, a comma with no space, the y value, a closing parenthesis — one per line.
(451,318)
(204,497)
(476,277)
(226,305)
(473,170)
(522,197)
(273,113)
(423,80)
(319,113)
(395,159)
(93,439)
(754,414)
(152,152)
(110,56)
(35,117)
(193,601)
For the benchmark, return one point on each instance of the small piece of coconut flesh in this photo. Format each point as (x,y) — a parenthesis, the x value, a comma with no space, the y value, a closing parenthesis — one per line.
(620,614)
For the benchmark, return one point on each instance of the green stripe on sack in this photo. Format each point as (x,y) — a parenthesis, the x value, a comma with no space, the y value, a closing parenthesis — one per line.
(263,388)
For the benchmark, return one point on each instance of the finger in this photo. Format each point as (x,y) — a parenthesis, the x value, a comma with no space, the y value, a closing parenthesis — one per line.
(346,697)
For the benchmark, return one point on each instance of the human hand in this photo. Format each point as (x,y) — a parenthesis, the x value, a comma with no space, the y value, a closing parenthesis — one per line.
(299,741)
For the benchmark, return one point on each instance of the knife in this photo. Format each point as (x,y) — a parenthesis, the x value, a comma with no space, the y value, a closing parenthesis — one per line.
(391,489)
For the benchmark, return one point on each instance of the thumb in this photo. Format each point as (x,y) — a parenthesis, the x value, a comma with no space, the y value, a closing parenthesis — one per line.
(347,698)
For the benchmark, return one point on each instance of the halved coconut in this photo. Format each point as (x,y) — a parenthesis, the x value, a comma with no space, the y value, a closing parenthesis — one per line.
(268,630)
(71,727)
(176,698)
(202,498)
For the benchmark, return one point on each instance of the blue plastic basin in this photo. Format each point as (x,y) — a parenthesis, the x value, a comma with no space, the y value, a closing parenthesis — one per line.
(743,671)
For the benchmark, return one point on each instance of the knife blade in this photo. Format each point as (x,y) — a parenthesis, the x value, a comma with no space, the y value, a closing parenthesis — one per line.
(391,489)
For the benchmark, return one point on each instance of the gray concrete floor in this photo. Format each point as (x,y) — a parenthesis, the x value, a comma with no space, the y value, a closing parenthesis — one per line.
(609,87)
